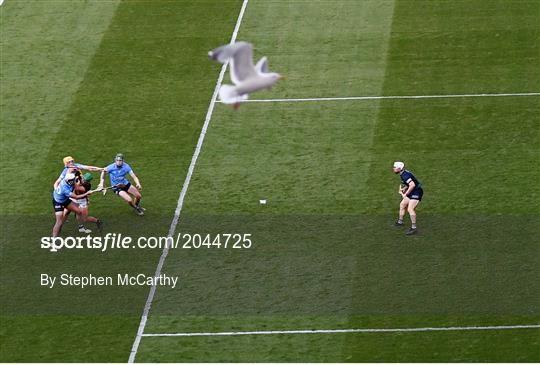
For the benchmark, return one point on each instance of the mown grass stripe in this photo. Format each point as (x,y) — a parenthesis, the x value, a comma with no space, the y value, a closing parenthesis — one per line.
(183,192)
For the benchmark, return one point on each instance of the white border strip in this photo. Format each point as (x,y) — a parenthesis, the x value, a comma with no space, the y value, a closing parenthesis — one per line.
(352,330)
(292,100)
(174,223)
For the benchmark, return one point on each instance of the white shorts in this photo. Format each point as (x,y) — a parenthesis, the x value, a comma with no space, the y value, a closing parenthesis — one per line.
(82,203)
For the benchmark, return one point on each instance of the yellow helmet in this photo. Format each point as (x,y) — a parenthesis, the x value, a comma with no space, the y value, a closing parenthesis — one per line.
(67,160)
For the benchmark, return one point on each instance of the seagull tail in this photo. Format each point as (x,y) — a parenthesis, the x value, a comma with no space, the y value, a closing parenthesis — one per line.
(229,95)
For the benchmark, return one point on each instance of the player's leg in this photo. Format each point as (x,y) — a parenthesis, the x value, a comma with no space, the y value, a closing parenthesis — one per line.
(59,216)
(124,195)
(84,209)
(412,213)
(65,216)
(79,213)
(90,218)
(136,195)
(402,209)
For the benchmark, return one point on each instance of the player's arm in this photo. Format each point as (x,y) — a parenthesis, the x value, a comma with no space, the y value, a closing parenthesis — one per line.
(411,187)
(402,188)
(57,182)
(136,179)
(102,178)
(88,167)
(80,196)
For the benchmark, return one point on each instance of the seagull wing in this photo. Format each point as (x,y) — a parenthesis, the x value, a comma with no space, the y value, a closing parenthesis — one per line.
(242,62)
(262,65)
(240,55)
(222,54)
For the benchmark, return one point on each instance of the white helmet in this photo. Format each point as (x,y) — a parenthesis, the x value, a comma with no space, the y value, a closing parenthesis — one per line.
(399,165)
(70,178)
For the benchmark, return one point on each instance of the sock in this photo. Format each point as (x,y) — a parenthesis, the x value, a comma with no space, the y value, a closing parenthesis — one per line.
(400,221)
(413,226)
(81,225)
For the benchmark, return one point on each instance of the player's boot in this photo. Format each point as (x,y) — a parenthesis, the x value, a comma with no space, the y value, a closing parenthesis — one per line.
(411,231)
(141,208)
(398,224)
(83,229)
(139,211)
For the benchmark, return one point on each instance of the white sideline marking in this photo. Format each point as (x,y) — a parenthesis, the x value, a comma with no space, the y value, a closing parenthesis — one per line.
(352,330)
(174,223)
(292,100)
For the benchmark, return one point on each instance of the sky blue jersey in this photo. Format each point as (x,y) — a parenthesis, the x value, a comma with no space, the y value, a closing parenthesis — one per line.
(63,191)
(65,170)
(117,174)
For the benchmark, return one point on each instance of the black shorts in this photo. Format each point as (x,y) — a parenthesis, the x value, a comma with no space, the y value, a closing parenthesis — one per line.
(125,188)
(59,207)
(416,194)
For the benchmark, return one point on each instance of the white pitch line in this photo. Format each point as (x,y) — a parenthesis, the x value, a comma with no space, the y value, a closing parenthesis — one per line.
(180,203)
(351,330)
(292,100)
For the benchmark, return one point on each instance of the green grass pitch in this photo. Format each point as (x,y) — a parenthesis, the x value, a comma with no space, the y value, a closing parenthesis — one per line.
(90,79)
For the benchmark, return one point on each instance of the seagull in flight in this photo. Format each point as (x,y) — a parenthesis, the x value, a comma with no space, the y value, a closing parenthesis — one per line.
(246,77)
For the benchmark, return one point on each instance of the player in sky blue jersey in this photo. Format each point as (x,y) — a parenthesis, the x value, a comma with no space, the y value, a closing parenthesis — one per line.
(61,200)
(121,186)
(411,192)
(71,166)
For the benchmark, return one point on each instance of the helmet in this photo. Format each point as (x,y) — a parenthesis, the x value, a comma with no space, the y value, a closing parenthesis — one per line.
(70,178)
(88,177)
(119,157)
(399,165)
(67,160)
